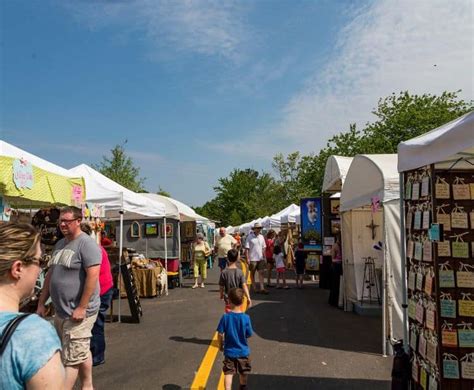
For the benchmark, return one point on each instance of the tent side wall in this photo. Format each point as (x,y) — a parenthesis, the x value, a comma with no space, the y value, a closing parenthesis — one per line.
(151,246)
(392,239)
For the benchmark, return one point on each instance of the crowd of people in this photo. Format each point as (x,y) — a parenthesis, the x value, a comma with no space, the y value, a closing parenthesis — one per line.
(34,354)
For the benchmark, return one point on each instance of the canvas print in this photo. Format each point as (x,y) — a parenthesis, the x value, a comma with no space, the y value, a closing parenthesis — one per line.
(311,223)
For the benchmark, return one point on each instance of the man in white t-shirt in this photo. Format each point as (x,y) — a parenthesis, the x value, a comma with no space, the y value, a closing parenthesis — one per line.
(224,243)
(255,255)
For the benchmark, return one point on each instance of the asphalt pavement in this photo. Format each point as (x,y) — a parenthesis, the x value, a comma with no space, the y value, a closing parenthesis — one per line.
(300,342)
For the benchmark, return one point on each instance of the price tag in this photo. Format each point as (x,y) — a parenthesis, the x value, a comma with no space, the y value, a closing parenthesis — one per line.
(420,312)
(428,284)
(431,352)
(413,339)
(433,383)
(409,220)
(419,280)
(411,309)
(423,378)
(414,370)
(422,345)
(411,280)
(417,221)
(410,249)
(418,251)
(426,219)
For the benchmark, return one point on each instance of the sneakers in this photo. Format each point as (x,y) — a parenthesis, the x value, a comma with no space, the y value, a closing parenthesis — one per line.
(202,285)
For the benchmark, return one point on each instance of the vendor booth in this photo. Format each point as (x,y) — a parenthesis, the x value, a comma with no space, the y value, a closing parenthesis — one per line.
(371,240)
(437,192)
(335,174)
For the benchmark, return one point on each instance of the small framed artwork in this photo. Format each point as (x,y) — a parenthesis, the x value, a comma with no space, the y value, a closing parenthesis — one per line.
(189,230)
(169,230)
(151,228)
(335,226)
(335,203)
(135,230)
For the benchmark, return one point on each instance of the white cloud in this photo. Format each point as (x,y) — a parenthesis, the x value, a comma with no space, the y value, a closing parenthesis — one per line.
(387,47)
(207,27)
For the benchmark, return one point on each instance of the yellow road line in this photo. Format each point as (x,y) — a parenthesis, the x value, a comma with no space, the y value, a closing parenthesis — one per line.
(204,370)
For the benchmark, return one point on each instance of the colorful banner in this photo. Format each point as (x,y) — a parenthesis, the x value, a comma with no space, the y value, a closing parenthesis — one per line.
(311,223)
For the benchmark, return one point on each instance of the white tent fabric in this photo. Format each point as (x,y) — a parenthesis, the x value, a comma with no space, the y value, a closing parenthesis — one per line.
(373,176)
(9,150)
(293,217)
(176,209)
(114,197)
(275,219)
(335,173)
(449,142)
(370,176)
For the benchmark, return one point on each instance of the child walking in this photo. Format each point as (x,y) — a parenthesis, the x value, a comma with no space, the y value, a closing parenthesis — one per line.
(280,266)
(232,277)
(234,329)
(300,264)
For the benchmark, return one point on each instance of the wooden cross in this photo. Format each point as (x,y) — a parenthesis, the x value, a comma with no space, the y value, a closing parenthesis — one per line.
(372,226)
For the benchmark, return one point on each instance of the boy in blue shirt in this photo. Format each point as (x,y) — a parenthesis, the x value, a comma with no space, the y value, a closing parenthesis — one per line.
(234,328)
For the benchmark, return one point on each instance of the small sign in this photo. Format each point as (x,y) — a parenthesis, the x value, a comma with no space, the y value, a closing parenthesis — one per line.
(435,232)
(466,338)
(77,193)
(451,369)
(23,174)
(466,308)
(449,338)
(448,308)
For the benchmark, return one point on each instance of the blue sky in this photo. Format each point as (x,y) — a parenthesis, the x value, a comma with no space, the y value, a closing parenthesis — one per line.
(201,87)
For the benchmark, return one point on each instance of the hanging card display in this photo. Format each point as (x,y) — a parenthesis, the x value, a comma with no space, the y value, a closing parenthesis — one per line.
(465,276)
(415,369)
(419,280)
(411,280)
(409,221)
(460,248)
(444,248)
(411,308)
(446,276)
(423,377)
(425,186)
(422,345)
(431,347)
(465,335)
(408,186)
(433,382)
(413,337)
(459,218)
(410,249)
(420,312)
(418,255)
(461,191)
(445,220)
(471,217)
(447,306)
(466,305)
(427,251)
(441,189)
(430,318)
(429,283)
(436,232)
(450,366)
(467,366)
(417,220)
(449,336)
(426,219)
(471,186)
(415,191)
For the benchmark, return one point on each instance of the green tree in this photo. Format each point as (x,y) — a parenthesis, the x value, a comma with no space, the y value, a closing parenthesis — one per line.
(162,192)
(120,168)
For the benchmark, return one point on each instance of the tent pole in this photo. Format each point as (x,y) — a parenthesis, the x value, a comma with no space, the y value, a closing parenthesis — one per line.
(179,254)
(384,292)
(403,261)
(120,257)
(166,245)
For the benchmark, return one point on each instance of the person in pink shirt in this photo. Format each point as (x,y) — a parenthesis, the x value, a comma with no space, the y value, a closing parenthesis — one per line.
(106,283)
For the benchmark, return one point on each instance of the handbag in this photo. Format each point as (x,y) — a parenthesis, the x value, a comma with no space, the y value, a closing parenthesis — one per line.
(9,330)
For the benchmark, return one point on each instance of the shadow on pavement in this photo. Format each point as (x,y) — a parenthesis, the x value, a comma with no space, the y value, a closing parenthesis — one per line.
(193,340)
(277,382)
(304,317)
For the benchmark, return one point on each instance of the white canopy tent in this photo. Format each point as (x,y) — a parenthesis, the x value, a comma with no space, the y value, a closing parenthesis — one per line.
(274,221)
(293,217)
(117,202)
(373,179)
(335,173)
(449,145)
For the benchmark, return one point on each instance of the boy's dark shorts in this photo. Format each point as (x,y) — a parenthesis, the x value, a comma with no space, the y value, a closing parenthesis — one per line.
(222,262)
(258,265)
(239,365)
